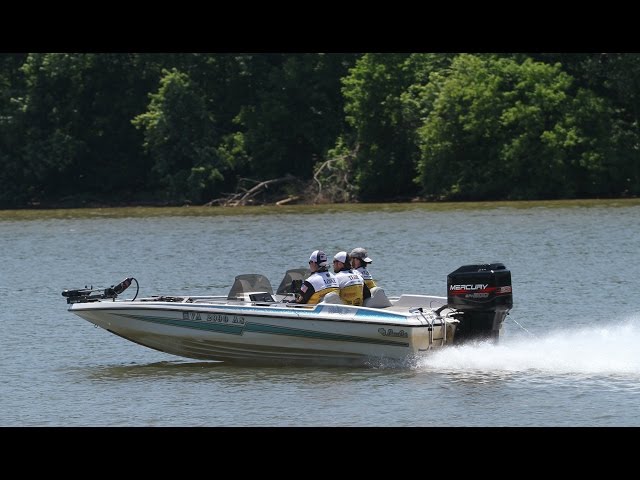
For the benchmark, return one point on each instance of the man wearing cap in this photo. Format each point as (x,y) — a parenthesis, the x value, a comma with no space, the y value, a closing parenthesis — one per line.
(359,261)
(353,291)
(320,282)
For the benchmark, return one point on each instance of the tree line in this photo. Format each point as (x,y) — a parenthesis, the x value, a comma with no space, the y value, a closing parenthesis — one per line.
(201,128)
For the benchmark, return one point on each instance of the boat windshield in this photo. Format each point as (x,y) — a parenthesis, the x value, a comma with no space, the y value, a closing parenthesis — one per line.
(293,274)
(250,282)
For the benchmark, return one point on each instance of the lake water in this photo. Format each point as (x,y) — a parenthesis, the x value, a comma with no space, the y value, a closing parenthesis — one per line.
(569,355)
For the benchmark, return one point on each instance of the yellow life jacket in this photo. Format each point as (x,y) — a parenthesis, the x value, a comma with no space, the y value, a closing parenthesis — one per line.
(318,296)
(352,295)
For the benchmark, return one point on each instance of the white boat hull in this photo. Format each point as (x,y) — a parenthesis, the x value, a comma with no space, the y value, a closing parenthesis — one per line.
(332,334)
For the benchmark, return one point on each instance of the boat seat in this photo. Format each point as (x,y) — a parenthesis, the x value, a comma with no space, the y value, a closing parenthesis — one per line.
(378,299)
(332,297)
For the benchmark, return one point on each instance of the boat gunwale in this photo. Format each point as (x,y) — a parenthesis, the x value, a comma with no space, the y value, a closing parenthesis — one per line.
(393,318)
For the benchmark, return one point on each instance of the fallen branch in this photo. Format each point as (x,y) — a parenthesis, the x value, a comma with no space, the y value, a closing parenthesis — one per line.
(332,178)
(287,200)
(244,196)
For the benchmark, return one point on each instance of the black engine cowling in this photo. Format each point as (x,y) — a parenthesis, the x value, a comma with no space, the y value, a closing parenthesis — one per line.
(482,295)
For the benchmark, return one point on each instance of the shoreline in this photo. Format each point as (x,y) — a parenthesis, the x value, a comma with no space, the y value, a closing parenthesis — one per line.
(98,204)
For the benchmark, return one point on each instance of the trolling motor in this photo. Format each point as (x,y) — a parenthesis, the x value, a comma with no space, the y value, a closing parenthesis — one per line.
(482,297)
(83,295)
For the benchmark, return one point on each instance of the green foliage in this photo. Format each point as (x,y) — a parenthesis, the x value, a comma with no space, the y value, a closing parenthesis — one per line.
(74,128)
(384,128)
(295,113)
(180,136)
(12,183)
(615,78)
(503,129)
(187,127)
(232,150)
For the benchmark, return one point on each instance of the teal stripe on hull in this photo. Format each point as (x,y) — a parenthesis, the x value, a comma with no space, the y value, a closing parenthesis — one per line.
(298,332)
(232,329)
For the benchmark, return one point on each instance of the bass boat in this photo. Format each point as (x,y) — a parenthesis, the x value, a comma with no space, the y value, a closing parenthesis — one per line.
(253,324)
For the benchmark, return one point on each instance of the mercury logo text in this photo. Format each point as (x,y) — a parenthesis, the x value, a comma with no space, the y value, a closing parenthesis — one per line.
(477,286)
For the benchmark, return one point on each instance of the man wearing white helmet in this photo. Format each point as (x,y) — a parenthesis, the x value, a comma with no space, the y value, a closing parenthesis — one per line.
(320,282)
(353,291)
(360,261)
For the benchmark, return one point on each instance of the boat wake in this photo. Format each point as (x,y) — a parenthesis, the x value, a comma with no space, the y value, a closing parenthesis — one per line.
(605,349)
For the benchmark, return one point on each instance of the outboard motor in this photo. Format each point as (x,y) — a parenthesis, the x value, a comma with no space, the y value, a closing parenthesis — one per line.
(482,296)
